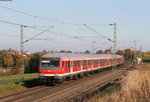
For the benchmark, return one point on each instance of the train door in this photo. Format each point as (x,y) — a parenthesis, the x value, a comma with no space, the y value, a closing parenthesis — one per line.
(81,65)
(71,66)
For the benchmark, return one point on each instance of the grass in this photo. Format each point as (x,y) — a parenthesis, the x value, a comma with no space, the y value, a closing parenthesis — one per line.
(18,76)
(146,59)
(135,88)
(9,88)
(2,70)
(8,83)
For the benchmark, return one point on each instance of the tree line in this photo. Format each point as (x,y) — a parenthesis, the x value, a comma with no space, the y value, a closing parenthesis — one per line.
(14,60)
(31,61)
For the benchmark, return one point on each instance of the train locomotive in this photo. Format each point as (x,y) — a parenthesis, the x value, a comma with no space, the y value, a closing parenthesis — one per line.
(56,67)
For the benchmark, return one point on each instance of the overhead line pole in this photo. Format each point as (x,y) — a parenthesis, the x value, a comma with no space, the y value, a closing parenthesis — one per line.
(22,50)
(114,46)
(21,55)
(93,42)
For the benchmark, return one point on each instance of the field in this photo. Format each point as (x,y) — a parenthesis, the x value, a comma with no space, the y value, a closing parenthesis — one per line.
(146,59)
(10,84)
(133,88)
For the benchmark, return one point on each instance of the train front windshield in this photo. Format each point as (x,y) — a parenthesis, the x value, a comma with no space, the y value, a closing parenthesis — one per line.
(50,64)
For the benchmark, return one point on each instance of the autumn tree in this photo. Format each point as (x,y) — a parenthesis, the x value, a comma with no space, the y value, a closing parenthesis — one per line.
(17,59)
(99,52)
(120,52)
(8,60)
(1,55)
(107,51)
(65,51)
(129,54)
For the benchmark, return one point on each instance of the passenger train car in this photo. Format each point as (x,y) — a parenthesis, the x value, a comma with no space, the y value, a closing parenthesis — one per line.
(54,67)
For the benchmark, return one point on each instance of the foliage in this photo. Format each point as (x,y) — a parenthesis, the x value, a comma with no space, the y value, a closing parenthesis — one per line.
(1,59)
(108,51)
(99,52)
(120,52)
(17,60)
(146,54)
(8,60)
(34,62)
(87,51)
(65,51)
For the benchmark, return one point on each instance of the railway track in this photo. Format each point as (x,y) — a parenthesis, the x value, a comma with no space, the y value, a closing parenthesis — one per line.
(22,94)
(65,95)
(64,91)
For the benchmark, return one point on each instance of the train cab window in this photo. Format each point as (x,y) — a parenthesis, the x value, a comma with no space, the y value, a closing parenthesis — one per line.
(54,63)
(50,64)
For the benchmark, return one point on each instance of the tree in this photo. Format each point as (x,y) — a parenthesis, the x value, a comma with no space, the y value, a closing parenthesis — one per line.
(1,59)
(8,60)
(17,59)
(34,62)
(107,51)
(120,52)
(99,52)
(65,51)
(129,54)
(87,51)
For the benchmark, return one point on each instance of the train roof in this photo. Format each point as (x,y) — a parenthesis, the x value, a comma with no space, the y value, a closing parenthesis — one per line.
(60,55)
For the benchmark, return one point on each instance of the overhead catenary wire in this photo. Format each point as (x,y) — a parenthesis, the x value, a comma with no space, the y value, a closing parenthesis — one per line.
(43,18)
(13,35)
(59,33)
(16,24)
(10,23)
(39,34)
(101,35)
(39,17)
(45,39)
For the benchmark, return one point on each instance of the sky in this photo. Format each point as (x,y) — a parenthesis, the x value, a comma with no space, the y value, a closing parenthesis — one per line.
(68,17)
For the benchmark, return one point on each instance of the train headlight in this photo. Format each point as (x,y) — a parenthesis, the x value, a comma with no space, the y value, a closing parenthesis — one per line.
(55,75)
(41,75)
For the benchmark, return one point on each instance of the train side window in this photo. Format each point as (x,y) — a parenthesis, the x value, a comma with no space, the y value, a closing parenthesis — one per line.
(76,64)
(68,64)
(101,61)
(84,63)
(73,63)
(79,63)
(88,62)
(97,61)
(104,61)
(63,64)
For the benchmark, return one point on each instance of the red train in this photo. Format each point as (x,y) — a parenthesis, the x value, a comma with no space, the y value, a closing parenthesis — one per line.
(55,67)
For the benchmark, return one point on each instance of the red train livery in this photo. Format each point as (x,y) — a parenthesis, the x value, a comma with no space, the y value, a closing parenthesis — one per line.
(58,66)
